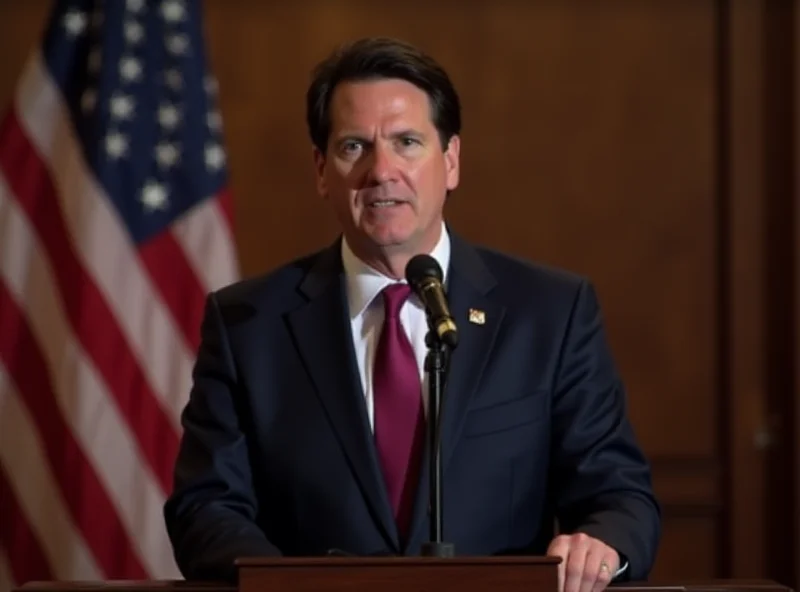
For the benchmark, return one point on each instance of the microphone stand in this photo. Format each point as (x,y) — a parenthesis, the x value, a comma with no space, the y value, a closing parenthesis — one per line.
(435,365)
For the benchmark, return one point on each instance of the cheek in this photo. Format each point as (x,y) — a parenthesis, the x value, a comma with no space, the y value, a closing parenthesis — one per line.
(428,181)
(338,180)
(347,178)
(418,175)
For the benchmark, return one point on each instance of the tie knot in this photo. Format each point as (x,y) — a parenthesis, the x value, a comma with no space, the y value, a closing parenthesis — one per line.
(393,298)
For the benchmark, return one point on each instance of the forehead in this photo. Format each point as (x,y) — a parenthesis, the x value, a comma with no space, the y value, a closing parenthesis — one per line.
(376,102)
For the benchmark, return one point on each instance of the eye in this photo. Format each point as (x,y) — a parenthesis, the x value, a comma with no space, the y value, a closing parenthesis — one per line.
(350,146)
(409,141)
(350,150)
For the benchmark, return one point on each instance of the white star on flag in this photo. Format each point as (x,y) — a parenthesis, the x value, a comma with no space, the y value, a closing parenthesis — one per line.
(122,106)
(135,5)
(130,69)
(75,22)
(214,120)
(116,145)
(173,11)
(154,196)
(215,156)
(167,154)
(178,44)
(134,32)
(168,116)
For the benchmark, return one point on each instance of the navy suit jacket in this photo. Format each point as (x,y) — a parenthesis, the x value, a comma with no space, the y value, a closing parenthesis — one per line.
(277,456)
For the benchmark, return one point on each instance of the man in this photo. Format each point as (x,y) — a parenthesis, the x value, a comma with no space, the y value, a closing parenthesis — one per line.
(305,425)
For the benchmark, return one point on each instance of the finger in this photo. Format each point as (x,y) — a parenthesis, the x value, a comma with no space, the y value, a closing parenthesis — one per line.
(595,564)
(560,548)
(606,568)
(576,562)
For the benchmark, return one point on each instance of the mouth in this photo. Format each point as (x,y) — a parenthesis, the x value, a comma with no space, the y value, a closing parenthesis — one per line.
(384,203)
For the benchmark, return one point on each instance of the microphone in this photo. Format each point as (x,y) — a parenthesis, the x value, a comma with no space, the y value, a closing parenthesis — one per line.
(424,275)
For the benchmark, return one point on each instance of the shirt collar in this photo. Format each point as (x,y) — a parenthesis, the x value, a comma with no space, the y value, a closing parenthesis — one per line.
(364,282)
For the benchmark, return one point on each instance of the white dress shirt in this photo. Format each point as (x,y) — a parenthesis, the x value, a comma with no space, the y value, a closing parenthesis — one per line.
(364,286)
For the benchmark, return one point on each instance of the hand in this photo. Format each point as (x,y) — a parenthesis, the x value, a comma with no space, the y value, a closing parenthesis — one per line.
(587,564)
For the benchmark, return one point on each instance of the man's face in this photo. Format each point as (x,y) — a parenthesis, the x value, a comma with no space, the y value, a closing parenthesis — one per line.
(385,172)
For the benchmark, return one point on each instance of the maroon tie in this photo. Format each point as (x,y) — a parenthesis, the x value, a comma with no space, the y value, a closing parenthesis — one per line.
(399,417)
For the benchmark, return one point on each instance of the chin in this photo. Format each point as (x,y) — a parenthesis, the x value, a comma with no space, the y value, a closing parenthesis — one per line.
(390,238)
(386,234)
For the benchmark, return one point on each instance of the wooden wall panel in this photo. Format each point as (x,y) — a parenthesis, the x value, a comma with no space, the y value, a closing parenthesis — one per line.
(780,267)
(750,430)
(21,24)
(795,195)
(690,490)
(691,561)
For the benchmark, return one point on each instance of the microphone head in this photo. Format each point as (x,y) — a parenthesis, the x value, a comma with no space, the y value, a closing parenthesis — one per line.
(422,267)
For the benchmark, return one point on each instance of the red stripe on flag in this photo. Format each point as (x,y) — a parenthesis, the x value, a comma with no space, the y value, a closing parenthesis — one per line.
(89,504)
(177,283)
(26,560)
(91,318)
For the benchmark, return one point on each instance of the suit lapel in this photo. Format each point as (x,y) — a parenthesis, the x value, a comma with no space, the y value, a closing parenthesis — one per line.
(324,340)
(469,283)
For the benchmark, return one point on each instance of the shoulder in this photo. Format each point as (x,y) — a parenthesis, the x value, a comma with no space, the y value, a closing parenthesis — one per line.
(529,283)
(516,270)
(554,301)
(278,288)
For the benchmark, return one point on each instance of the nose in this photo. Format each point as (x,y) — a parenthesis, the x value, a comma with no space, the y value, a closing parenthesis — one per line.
(381,164)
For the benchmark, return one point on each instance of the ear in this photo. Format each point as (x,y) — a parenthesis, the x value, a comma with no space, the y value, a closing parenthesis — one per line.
(319,169)
(452,162)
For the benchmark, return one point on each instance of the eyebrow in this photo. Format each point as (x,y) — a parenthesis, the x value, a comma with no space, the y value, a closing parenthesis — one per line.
(405,132)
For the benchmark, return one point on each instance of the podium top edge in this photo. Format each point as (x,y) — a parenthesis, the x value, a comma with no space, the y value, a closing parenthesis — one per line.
(294,562)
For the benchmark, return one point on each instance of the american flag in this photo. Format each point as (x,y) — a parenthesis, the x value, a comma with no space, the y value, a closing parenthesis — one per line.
(115,221)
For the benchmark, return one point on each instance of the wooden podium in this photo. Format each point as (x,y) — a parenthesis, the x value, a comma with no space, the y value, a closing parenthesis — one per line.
(395,574)
(400,574)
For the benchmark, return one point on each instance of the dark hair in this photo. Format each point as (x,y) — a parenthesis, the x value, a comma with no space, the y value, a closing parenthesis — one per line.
(379,58)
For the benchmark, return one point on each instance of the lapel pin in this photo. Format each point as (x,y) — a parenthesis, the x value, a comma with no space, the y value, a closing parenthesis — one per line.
(478,317)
